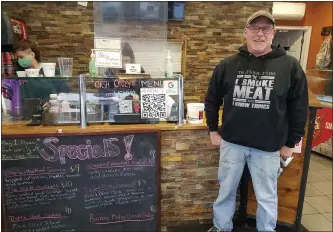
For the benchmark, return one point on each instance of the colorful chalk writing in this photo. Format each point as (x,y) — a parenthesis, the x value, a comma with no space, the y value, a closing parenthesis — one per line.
(81,183)
(118,218)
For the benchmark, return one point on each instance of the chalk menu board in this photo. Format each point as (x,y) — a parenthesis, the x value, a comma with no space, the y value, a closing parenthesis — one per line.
(81,183)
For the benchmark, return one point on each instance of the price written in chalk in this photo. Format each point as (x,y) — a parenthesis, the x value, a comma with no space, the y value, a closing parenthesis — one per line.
(75,168)
(108,59)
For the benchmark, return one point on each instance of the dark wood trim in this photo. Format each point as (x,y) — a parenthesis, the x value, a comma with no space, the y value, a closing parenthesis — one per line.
(77,134)
(3,214)
(306,164)
(158,163)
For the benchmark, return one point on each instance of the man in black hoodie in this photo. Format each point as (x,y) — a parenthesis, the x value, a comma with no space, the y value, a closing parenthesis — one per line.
(265,102)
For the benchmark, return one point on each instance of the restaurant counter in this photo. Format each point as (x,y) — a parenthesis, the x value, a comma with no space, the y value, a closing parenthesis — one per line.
(188,168)
(188,163)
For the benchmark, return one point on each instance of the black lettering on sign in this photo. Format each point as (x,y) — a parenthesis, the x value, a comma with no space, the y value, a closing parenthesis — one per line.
(115,84)
(81,183)
(151,83)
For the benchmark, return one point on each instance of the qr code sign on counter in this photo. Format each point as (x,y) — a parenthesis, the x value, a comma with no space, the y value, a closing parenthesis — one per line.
(153,103)
(125,106)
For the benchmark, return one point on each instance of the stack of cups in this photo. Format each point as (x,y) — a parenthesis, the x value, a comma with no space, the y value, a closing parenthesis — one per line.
(49,69)
(66,66)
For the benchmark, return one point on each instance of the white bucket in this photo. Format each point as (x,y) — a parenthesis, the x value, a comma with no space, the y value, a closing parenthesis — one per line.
(195,113)
(49,69)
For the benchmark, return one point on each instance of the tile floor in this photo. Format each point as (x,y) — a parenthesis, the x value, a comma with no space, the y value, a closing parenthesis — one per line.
(317,208)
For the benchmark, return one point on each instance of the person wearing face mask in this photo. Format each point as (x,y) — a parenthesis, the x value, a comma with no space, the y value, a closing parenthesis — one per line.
(265,103)
(28,56)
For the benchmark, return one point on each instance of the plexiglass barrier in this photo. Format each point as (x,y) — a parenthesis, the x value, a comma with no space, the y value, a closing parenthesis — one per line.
(85,100)
(35,100)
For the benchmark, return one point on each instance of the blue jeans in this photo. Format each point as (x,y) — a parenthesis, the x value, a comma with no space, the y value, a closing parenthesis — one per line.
(264,168)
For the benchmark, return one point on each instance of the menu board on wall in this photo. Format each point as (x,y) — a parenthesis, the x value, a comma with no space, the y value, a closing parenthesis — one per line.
(81,183)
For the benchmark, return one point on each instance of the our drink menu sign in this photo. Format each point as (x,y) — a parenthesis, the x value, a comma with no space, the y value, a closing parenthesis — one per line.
(81,183)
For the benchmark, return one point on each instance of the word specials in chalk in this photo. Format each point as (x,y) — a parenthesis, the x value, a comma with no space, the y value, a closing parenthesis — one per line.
(110,148)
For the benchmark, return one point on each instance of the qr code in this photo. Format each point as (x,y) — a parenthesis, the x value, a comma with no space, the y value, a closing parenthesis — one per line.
(153,106)
(125,107)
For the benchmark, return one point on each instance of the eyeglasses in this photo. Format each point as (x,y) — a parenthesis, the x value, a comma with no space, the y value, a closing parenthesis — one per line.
(256,29)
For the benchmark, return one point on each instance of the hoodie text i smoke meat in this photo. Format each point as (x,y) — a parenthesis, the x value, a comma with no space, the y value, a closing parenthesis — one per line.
(265,100)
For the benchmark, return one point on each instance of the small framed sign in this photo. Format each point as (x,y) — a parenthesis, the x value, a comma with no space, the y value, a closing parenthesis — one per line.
(107,43)
(133,68)
(108,59)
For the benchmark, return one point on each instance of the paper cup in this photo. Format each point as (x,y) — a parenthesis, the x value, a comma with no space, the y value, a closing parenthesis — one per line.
(31,72)
(49,69)
(21,74)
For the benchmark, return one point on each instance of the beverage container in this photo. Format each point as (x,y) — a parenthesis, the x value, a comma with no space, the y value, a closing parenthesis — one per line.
(49,69)
(66,66)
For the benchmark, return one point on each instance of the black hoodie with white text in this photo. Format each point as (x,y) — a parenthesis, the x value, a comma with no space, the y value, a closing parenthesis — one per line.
(265,100)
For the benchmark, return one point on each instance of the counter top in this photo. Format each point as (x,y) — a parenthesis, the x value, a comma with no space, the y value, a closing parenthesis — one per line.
(22,129)
(313,101)
(94,129)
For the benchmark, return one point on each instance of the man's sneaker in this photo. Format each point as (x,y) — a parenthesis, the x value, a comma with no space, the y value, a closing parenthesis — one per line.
(214,229)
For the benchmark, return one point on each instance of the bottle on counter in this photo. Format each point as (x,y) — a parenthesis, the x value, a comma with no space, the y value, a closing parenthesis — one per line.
(9,64)
(65,110)
(3,70)
(61,116)
(54,108)
(168,66)
(92,67)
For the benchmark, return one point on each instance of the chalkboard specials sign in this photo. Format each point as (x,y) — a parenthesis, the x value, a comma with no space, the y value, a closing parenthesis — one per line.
(81,183)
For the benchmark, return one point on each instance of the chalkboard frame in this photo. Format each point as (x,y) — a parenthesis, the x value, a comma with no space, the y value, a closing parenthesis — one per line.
(158,161)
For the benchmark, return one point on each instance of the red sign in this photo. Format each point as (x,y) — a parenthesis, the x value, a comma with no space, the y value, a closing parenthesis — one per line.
(323,126)
(19,29)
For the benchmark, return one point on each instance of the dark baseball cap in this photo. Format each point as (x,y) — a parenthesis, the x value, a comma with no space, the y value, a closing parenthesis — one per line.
(261,13)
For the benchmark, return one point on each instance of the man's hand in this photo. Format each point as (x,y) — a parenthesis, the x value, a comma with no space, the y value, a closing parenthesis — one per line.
(286,152)
(215,138)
